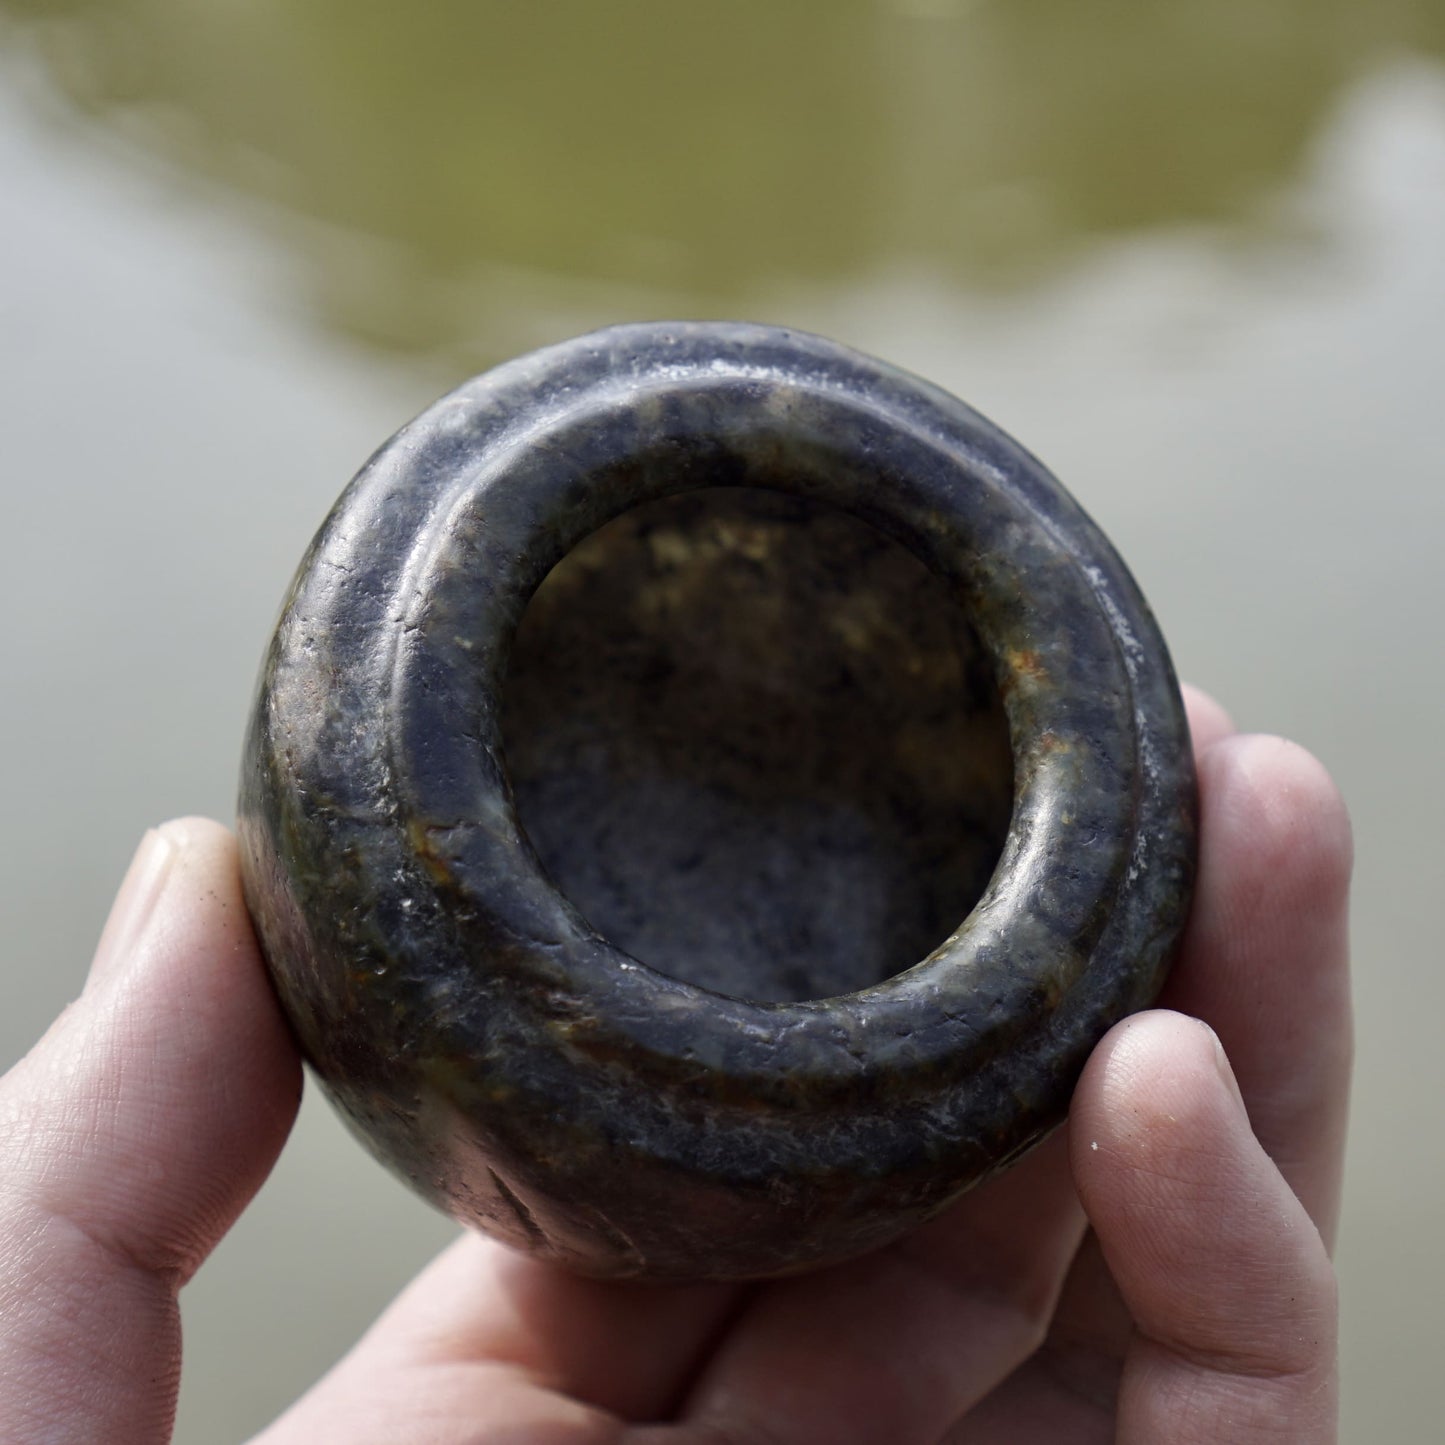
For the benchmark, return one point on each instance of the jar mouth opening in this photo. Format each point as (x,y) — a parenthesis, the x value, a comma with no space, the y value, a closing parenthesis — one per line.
(515,471)
(756,744)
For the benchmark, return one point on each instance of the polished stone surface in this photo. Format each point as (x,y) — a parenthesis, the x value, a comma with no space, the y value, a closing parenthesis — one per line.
(768,882)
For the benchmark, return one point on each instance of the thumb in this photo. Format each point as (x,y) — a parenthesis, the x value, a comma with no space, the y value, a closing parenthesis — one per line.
(131,1137)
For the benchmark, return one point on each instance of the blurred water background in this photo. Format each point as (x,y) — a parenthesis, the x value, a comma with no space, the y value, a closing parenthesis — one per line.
(1192,254)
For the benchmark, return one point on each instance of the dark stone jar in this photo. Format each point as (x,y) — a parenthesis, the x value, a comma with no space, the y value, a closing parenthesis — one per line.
(708,793)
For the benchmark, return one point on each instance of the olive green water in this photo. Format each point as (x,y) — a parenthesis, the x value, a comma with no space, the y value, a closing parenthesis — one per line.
(1193,254)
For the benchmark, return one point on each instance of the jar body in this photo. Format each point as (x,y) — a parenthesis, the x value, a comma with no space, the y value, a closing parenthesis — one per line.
(707,794)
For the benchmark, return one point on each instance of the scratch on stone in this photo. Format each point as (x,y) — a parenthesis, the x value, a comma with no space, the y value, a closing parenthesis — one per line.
(530,1227)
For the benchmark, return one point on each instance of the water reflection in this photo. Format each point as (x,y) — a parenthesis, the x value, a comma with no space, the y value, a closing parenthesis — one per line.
(443,171)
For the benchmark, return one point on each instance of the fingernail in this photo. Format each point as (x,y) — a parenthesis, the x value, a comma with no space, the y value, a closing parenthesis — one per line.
(1226,1073)
(144,882)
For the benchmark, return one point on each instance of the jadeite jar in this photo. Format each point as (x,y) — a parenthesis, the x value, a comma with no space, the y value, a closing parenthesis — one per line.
(707,794)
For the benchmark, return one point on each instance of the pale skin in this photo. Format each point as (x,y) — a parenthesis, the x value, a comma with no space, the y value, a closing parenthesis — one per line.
(1157,1273)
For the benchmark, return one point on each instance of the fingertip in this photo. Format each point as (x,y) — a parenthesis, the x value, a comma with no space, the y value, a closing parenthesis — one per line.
(1209,721)
(194,828)
(1266,955)
(135,1131)
(157,1105)
(1162,1149)
(1273,802)
(1153,1089)
(201,849)
(135,901)
(1225,1279)
(1213,1253)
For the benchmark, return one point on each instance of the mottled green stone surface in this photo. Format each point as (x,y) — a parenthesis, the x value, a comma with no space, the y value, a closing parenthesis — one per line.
(767,885)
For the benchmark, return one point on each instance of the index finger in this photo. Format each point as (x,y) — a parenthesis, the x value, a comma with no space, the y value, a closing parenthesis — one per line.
(1265,960)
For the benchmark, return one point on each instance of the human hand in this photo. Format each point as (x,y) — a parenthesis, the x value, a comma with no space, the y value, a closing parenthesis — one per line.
(1157,1272)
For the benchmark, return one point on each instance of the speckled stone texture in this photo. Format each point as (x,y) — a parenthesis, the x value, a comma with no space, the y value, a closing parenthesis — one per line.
(707,794)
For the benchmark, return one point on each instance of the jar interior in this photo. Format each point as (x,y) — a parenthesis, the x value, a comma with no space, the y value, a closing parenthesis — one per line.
(757,744)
